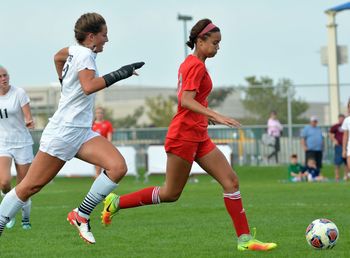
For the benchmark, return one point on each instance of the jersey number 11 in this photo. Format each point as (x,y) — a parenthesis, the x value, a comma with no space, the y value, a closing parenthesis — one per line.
(3,113)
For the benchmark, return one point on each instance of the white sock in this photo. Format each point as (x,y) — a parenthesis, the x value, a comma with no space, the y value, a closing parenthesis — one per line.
(9,206)
(101,187)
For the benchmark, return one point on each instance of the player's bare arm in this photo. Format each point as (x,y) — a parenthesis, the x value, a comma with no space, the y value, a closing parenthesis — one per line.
(59,59)
(188,101)
(91,84)
(28,116)
(333,139)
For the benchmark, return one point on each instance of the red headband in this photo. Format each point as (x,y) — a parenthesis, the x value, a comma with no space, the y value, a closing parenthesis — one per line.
(207,28)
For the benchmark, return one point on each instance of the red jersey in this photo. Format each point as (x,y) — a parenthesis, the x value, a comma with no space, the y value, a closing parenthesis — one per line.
(186,124)
(338,133)
(103,128)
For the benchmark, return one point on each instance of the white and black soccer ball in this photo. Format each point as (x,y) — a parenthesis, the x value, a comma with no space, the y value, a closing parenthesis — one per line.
(322,234)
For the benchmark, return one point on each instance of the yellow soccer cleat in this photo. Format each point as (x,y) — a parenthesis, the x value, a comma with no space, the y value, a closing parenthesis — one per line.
(110,208)
(248,242)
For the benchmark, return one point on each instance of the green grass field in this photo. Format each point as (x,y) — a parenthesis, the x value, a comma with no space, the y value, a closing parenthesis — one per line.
(195,226)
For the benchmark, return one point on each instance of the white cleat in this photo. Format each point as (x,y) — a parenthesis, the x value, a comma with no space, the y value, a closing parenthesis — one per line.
(83,226)
(11,223)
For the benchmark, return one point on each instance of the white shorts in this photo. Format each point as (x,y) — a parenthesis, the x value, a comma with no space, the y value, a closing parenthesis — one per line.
(64,142)
(21,156)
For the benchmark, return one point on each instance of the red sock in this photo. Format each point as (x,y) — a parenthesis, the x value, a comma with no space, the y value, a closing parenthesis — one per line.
(145,196)
(234,207)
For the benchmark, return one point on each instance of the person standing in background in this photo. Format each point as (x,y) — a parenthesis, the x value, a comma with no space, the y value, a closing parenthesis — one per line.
(104,128)
(274,129)
(312,142)
(336,134)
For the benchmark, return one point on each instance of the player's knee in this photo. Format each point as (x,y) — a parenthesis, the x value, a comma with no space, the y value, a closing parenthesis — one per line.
(122,169)
(118,170)
(24,191)
(235,182)
(231,184)
(5,185)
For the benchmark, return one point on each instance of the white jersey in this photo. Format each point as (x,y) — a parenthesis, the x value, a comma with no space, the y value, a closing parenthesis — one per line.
(346,127)
(13,130)
(75,109)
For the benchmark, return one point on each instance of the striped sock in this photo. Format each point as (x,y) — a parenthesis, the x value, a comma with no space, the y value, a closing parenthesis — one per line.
(3,220)
(26,211)
(2,225)
(145,196)
(101,187)
(234,207)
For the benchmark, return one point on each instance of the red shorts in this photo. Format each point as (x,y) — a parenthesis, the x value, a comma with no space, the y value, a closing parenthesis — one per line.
(187,150)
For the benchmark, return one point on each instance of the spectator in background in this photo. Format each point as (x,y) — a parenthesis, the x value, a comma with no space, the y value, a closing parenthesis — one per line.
(312,172)
(346,139)
(274,129)
(312,142)
(104,128)
(295,170)
(336,134)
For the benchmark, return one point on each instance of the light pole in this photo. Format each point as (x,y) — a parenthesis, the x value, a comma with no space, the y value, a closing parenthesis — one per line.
(184,18)
(333,60)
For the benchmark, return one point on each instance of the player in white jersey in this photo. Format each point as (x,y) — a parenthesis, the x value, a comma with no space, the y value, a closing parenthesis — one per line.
(15,139)
(69,134)
(346,137)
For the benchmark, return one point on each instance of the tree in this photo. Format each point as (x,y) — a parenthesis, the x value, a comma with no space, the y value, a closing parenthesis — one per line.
(218,96)
(262,96)
(124,122)
(160,110)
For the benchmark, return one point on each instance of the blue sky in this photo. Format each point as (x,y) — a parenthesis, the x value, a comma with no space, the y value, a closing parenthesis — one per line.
(275,38)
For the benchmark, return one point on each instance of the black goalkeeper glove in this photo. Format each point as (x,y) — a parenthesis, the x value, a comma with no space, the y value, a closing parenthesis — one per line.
(122,73)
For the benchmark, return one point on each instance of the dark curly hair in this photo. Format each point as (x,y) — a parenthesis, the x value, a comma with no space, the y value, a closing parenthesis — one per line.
(196,29)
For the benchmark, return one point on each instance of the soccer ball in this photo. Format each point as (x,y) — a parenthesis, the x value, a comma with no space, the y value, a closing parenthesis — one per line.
(322,234)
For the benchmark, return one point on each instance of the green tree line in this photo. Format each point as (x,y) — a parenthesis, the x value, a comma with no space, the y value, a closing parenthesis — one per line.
(261,96)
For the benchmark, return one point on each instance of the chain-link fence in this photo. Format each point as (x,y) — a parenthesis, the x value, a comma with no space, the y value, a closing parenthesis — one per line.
(250,104)
(246,143)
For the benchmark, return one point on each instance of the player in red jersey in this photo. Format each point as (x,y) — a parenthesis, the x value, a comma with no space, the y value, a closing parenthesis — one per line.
(104,128)
(188,140)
